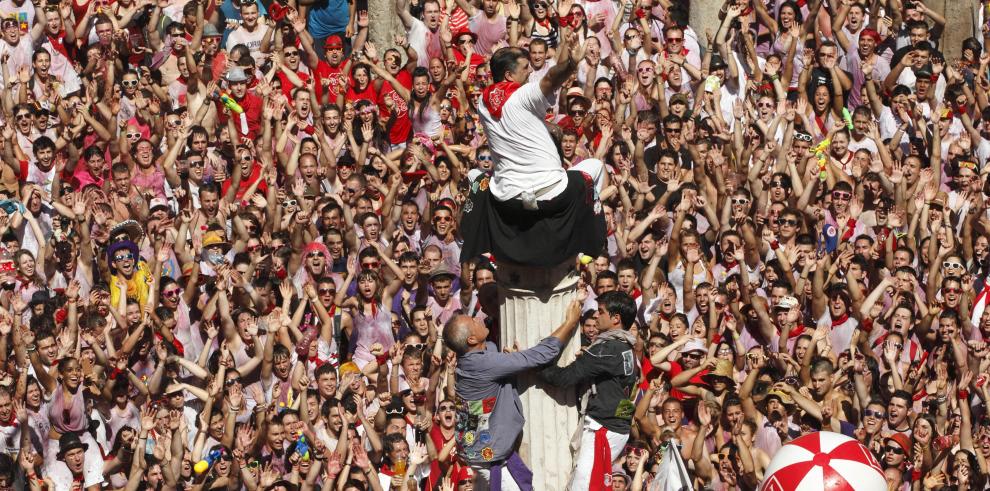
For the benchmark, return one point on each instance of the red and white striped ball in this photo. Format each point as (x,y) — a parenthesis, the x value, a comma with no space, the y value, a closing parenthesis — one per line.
(824,461)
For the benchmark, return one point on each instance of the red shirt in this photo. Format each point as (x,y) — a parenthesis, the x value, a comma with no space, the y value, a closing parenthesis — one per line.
(675,369)
(332,73)
(252,105)
(436,470)
(367,94)
(246,182)
(402,125)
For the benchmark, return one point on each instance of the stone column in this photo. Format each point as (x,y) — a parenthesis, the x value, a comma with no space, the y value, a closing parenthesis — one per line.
(383,22)
(533,303)
(960,23)
(703,15)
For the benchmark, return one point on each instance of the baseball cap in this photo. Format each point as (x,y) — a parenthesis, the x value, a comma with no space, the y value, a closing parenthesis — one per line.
(333,42)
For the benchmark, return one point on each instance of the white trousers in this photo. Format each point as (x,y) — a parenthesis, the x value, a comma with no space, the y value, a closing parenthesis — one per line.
(585,459)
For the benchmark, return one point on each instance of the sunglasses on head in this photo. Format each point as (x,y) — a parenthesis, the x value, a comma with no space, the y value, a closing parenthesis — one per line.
(414,347)
(802,137)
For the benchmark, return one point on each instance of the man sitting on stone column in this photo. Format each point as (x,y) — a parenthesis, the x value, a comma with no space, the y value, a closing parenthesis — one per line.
(531,211)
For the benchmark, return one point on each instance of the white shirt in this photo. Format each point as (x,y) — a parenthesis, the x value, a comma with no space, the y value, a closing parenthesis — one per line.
(251,39)
(525,156)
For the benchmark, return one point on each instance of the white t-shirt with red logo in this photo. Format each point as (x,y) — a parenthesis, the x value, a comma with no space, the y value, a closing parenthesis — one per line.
(524,154)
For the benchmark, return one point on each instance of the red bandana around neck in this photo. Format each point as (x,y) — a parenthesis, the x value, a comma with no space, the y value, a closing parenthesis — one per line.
(842,319)
(496,95)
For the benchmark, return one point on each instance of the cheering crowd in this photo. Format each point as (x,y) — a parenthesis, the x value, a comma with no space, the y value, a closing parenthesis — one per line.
(243,247)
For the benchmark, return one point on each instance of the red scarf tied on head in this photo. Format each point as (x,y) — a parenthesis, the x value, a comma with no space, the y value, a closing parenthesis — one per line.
(495,96)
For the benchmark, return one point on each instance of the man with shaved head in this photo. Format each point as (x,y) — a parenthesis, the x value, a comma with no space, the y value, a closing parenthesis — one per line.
(488,406)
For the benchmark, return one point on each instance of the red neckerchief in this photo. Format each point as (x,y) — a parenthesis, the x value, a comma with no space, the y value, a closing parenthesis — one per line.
(840,320)
(797,331)
(57,44)
(496,95)
(821,123)
(731,264)
(387,470)
(11,421)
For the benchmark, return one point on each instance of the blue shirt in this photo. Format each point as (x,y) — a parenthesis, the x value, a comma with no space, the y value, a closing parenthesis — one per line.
(489,416)
(330,17)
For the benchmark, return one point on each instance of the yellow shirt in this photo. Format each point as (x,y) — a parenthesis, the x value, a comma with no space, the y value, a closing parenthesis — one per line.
(137,285)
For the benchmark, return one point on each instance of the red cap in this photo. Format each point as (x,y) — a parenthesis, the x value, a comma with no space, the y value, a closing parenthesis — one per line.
(902,441)
(333,41)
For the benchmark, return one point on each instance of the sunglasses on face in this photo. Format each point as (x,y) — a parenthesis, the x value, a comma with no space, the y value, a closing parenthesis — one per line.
(326,291)
(777,184)
(123,257)
(231,381)
(951,264)
(645,69)
(578,112)
(674,40)
(740,201)
(694,355)
(841,195)
(171,293)
(196,164)
(129,83)
(954,291)
(443,219)
(768,105)
(876,414)
(291,53)
(314,254)
(630,37)
(415,347)
(673,129)
(895,450)
(22,116)
(133,136)
(289,202)
(463,41)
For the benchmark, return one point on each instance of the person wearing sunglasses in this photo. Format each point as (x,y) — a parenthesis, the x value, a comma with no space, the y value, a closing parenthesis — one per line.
(130,273)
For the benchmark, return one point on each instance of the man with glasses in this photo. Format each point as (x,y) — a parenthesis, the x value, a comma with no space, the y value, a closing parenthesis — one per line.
(444,236)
